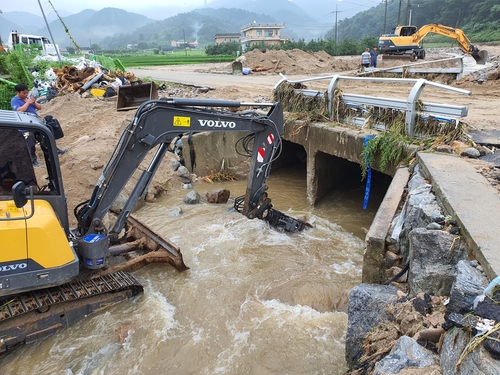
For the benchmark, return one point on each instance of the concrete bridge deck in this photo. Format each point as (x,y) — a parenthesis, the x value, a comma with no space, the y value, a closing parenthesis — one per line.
(471,200)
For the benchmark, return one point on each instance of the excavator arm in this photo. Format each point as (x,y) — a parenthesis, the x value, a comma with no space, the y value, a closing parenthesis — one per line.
(451,32)
(154,125)
(42,286)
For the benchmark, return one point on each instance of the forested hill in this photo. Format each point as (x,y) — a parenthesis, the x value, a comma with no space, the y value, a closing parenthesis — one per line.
(200,25)
(479,19)
(116,28)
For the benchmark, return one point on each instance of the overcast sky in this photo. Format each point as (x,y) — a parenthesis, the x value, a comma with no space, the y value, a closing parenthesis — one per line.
(135,6)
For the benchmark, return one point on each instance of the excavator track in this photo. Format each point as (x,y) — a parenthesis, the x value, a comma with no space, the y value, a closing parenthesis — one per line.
(32,316)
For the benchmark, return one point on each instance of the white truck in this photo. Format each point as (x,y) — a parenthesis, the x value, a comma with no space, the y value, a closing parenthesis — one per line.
(48,48)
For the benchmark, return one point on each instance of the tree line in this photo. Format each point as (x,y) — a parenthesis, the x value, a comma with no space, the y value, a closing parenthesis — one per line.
(346,47)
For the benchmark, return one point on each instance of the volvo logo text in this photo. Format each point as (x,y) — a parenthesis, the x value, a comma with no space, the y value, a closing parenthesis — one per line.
(217,123)
(13,267)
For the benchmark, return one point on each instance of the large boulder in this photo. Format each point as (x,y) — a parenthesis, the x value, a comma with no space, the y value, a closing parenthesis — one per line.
(421,208)
(434,255)
(455,360)
(192,198)
(367,309)
(406,353)
(218,196)
(184,175)
(469,283)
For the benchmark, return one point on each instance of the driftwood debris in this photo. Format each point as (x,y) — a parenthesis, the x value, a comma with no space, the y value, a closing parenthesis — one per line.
(70,79)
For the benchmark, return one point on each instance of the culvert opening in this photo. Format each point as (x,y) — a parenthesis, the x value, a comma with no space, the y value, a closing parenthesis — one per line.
(293,156)
(338,190)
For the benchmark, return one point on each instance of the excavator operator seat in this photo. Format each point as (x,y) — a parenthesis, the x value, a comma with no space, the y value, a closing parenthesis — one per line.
(15,161)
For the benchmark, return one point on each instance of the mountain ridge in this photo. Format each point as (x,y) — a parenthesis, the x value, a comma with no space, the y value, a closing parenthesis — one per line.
(112,25)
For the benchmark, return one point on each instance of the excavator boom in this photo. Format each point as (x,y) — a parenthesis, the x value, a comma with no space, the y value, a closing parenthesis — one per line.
(463,41)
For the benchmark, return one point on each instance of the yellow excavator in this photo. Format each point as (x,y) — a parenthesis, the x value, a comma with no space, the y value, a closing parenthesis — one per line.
(52,275)
(405,41)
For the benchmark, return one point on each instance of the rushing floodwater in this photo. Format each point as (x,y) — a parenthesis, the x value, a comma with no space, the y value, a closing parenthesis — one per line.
(255,301)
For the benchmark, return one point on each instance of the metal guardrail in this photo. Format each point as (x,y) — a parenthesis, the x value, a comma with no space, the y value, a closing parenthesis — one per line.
(416,68)
(408,105)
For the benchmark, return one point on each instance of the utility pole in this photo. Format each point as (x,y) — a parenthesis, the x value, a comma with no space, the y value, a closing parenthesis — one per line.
(50,32)
(336,13)
(185,44)
(385,18)
(399,12)
(458,19)
(407,19)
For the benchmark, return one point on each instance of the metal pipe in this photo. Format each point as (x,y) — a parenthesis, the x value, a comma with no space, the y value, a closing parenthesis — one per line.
(411,65)
(50,33)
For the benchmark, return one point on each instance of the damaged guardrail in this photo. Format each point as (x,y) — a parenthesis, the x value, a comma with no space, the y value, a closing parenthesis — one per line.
(419,68)
(362,105)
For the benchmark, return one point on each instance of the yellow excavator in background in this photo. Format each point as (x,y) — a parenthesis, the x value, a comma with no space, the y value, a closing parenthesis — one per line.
(405,41)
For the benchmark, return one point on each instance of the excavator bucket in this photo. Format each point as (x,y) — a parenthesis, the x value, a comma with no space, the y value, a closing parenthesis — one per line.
(148,247)
(132,96)
(481,57)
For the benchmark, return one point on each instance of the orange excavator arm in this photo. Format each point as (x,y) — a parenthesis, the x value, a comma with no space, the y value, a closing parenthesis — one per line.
(451,32)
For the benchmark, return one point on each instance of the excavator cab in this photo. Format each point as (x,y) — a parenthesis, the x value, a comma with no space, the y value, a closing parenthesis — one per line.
(407,30)
(35,252)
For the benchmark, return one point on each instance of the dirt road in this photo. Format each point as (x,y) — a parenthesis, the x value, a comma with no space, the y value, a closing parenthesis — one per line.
(482,100)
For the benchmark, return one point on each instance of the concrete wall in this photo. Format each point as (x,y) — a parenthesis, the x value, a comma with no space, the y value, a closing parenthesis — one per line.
(330,152)
(321,142)
(215,152)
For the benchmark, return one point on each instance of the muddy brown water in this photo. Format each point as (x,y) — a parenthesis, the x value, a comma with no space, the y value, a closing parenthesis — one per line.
(255,300)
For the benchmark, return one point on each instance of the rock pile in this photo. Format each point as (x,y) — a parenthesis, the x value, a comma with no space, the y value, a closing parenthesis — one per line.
(426,322)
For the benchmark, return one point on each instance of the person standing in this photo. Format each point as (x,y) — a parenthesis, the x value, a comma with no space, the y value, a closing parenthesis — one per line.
(23,102)
(373,57)
(365,58)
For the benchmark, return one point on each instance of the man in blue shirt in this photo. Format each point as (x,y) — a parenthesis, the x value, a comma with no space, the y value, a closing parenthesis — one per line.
(23,102)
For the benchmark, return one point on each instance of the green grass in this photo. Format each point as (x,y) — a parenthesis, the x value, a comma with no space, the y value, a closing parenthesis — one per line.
(170,58)
(7,92)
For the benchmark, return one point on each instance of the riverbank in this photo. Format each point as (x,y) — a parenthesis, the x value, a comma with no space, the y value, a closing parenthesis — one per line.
(445,233)
(95,124)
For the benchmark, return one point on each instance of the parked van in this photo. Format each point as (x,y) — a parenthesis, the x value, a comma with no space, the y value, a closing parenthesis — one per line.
(48,48)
